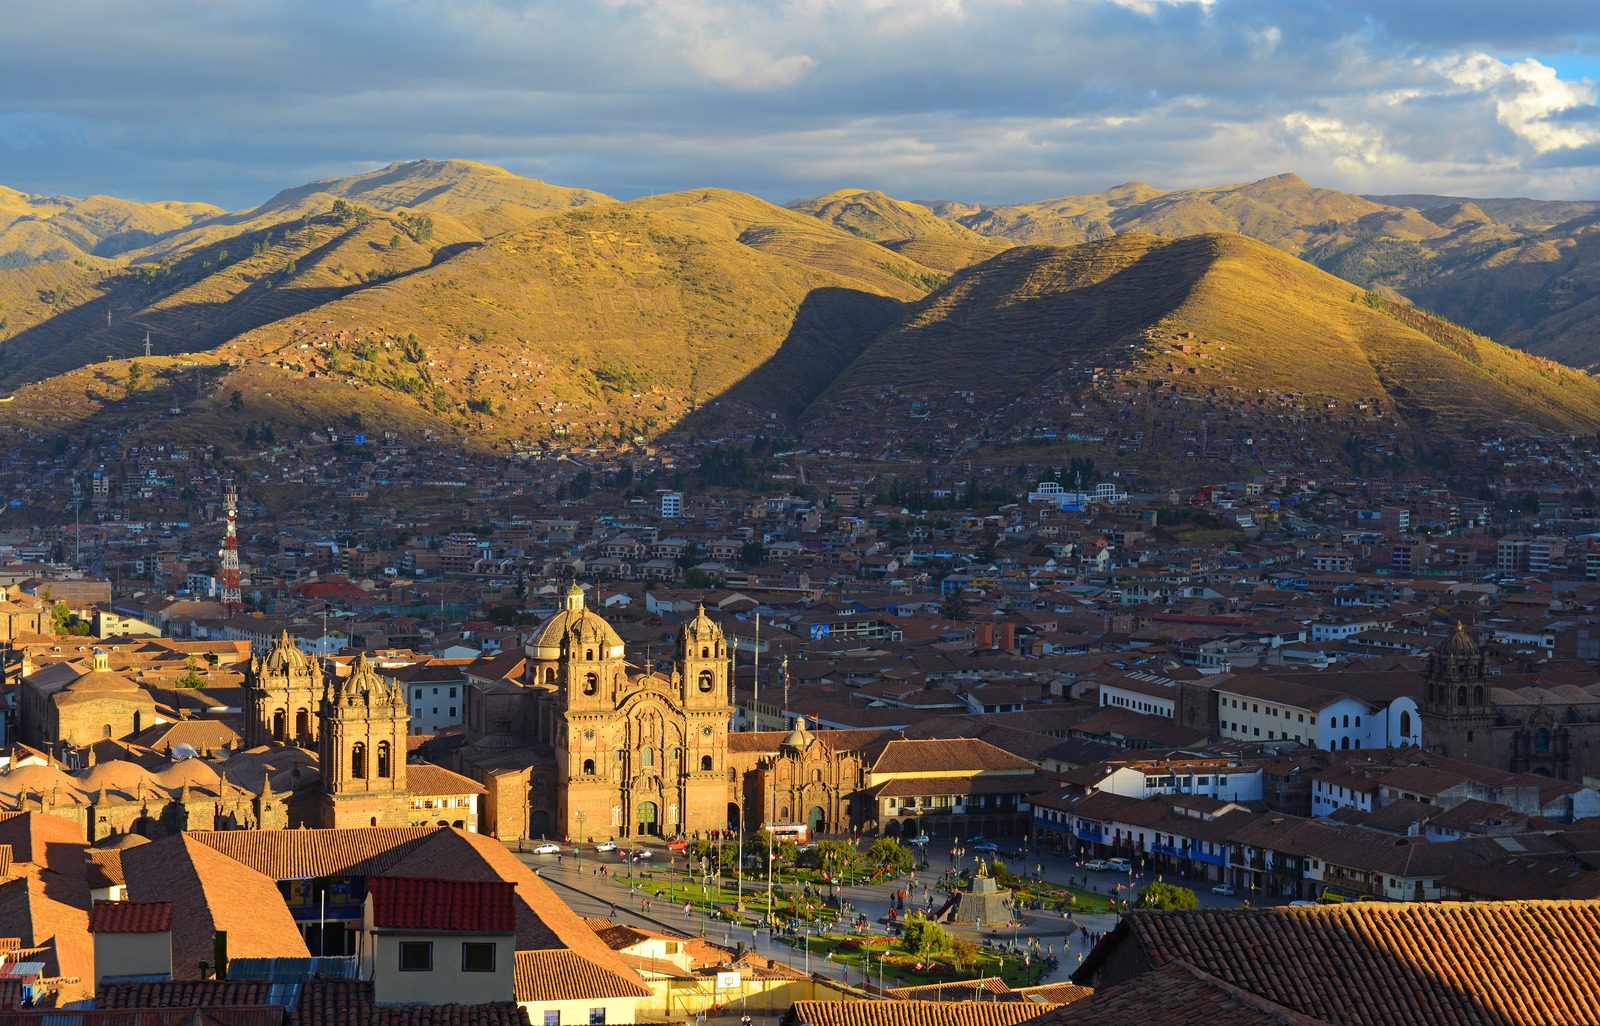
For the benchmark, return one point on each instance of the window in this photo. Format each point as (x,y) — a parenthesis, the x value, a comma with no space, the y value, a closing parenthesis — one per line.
(384,769)
(647,757)
(105,731)
(588,767)
(452,692)
(452,712)
(552,1018)
(416,956)
(705,762)
(591,683)
(358,761)
(597,1017)
(707,682)
(477,957)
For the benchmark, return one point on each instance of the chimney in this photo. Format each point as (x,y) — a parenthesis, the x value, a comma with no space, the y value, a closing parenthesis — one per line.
(1008,637)
(985,636)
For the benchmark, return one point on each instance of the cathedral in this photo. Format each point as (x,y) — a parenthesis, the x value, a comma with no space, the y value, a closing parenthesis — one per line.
(1524,728)
(635,754)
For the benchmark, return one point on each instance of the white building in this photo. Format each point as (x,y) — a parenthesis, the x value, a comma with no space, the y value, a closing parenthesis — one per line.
(1317,711)
(671,504)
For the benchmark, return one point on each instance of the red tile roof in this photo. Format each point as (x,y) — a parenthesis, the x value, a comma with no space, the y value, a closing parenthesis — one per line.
(1492,963)
(914,1013)
(184,994)
(130,917)
(563,975)
(423,903)
(1177,994)
(349,1003)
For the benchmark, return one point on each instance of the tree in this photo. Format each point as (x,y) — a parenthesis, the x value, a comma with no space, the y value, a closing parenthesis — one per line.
(925,938)
(1166,896)
(753,552)
(889,853)
(135,377)
(191,679)
(236,401)
(954,606)
(964,956)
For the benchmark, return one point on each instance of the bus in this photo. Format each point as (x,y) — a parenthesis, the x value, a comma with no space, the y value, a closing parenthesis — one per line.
(789,833)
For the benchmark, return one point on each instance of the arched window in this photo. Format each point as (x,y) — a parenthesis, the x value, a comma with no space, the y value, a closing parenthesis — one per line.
(705,653)
(1345,743)
(358,761)
(1347,720)
(588,653)
(705,763)
(591,683)
(105,731)
(1405,724)
(384,769)
(647,757)
(302,724)
(707,682)
(549,674)
(1541,741)
(588,767)
(816,775)
(1461,696)
(277,725)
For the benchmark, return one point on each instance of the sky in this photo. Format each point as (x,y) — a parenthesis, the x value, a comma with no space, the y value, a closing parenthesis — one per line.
(228,101)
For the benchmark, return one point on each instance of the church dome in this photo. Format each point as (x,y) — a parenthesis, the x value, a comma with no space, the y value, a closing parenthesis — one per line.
(1459,645)
(575,619)
(798,737)
(285,658)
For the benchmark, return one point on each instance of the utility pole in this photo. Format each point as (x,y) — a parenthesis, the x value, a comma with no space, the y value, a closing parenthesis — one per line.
(146,336)
(230,575)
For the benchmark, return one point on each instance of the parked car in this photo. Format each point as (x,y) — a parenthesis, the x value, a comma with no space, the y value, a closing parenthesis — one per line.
(606,846)
(1118,865)
(679,845)
(640,855)
(976,839)
(1096,864)
(921,839)
(986,848)
(1226,890)
(547,848)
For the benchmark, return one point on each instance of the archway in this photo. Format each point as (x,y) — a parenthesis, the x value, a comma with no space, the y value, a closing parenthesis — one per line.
(733,816)
(302,725)
(646,815)
(278,725)
(891,828)
(539,824)
(816,820)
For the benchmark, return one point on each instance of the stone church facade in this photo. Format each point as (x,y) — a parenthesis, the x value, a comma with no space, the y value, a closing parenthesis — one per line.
(358,730)
(1553,731)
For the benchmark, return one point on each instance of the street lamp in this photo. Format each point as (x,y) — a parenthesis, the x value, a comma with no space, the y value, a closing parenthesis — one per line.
(581,817)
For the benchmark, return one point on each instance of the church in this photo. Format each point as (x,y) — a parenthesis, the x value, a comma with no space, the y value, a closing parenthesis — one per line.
(357,723)
(1469,714)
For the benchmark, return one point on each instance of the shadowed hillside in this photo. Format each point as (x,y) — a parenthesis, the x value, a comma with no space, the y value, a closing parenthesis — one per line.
(1217,317)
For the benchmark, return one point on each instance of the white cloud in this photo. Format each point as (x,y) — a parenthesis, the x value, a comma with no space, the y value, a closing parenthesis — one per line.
(1526,95)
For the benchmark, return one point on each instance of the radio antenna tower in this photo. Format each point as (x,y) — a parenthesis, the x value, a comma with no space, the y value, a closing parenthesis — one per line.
(230,576)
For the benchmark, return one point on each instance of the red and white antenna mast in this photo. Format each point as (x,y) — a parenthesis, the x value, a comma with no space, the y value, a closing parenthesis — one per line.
(229,575)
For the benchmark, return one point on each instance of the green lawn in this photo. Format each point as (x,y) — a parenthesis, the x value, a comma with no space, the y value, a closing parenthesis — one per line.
(899,967)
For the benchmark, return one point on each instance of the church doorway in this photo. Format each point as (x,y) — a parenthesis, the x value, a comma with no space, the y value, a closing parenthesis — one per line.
(733,816)
(817,821)
(539,825)
(647,818)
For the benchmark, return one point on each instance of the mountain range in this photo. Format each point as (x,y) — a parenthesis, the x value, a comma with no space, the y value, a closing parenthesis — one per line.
(466,301)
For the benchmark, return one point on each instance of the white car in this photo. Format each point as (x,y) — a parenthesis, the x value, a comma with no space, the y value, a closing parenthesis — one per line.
(1095,864)
(1226,890)
(606,846)
(547,848)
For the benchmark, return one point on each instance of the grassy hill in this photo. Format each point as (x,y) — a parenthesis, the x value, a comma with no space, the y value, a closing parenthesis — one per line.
(609,320)
(39,229)
(909,229)
(1221,318)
